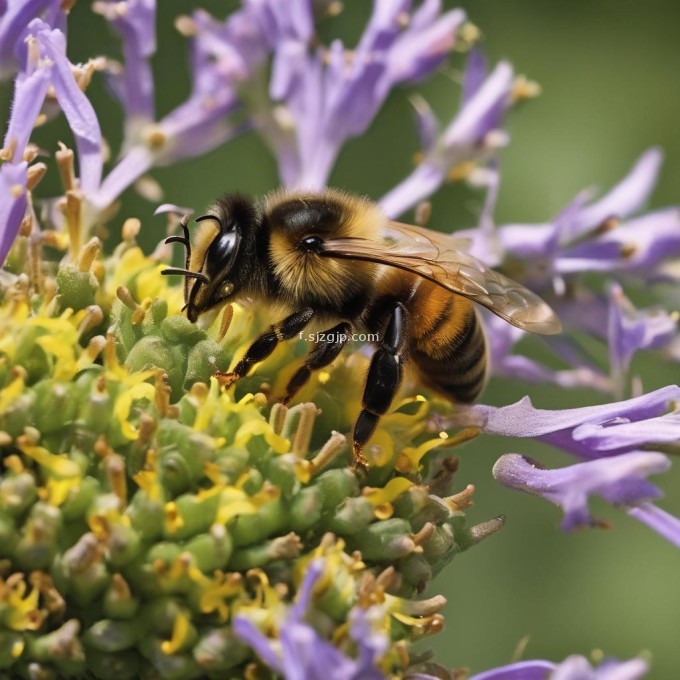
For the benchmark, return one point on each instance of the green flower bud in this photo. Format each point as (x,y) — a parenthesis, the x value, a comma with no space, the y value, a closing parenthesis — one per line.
(280,471)
(204,358)
(385,541)
(37,545)
(154,317)
(17,493)
(147,515)
(196,514)
(11,648)
(118,600)
(416,571)
(123,545)
(117,666)
(60,645)
(76,288)
(336,486)
(304,510)
(169,666)
(80,499)
(281,548)
(54,406)
(218,649)
(8,534)
(212,550)
(178,330)
(159,615)
(351,516)
(269,519)
(18,415)
(108,635)
(127,333)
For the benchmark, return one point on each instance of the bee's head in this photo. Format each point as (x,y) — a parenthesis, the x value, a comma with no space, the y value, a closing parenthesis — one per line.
(217,265)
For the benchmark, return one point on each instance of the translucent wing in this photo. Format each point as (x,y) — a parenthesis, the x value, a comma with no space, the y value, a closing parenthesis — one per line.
(443,260)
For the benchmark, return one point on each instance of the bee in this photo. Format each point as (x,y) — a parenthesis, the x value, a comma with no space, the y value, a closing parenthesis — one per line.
(334,259)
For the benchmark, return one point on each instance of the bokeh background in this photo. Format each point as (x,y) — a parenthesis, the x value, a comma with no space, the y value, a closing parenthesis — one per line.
(609,73)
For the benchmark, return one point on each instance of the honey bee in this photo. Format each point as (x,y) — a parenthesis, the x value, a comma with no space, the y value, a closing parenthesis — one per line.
(334,259)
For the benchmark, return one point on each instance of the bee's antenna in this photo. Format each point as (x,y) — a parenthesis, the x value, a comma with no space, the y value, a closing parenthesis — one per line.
(185,241)
(185,272)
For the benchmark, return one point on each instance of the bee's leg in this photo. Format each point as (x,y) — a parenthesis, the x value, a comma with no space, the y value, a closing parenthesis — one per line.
(263,346)
(382,382)
(322,355)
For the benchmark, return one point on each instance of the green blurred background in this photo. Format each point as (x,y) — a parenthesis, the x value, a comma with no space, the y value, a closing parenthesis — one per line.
(609,71)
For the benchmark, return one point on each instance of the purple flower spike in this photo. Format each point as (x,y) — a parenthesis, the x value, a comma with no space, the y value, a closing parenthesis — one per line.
(578,668)
(523,670)
(301,654)
(631,330)
(572,668)
(586,238)
(79,113)
(619,480)
(135,22)
(29,95)
(658,520)
(473,135)
(625,199)
(15,16)
(592,431)
(12,204)
(331,95)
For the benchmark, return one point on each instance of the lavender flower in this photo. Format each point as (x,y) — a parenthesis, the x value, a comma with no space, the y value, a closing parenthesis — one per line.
(609,437)
(303,654)
(572,668)
(330,95)
(471,137)
(15,16)
(590,432)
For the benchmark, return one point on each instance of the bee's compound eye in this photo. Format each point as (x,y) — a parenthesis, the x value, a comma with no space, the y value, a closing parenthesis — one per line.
(312,244)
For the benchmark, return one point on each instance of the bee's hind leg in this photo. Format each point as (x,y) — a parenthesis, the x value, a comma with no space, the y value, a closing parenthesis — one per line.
(322,354)
(264,345)
(383,380)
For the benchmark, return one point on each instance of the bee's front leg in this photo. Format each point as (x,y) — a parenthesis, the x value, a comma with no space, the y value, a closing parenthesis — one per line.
(264,345)
(383,380)
(321,355)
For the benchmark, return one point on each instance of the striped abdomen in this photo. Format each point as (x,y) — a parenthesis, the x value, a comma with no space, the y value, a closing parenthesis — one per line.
(448,344)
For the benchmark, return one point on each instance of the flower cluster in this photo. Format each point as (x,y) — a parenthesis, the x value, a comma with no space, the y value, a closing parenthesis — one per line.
(137,496)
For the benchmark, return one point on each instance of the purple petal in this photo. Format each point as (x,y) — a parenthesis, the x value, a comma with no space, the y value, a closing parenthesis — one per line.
(12,204)
(252,636)
(420,184)
(312,574)
(421,48)
(658,520)
(631,330)
(638,246)
(29,95)
(483,112)
(427,124)
(578,668)
(137,161)
(475,73)
(14,21)
(619,480)
(523,670)
(591,431)
(135,22)
(79,113)
(625,198)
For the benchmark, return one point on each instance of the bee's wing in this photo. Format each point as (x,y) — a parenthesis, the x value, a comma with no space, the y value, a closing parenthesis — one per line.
(442,259)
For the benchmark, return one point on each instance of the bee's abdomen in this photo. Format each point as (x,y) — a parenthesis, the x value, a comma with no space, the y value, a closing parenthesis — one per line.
(449,348)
